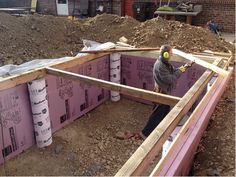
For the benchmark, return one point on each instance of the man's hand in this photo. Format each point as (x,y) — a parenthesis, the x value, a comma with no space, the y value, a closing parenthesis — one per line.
(189,64)
(186,66)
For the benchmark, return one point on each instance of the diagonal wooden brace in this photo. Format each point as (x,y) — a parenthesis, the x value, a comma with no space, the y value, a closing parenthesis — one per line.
(203,63)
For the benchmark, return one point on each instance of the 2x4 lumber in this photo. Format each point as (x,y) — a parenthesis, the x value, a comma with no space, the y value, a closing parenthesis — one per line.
(28,76)
(147,151)
(175,51)
(126,90)
(18,79)
(120,50)
(229,62)
(178,142)
(206,53)
(203,63)
(210,53)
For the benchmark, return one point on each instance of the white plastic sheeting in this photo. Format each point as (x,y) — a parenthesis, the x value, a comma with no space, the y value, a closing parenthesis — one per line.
(11,69)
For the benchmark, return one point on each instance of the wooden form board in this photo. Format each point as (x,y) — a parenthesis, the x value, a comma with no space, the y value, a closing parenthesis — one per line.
(185,129)
(142,157)
(28,76)
(31,75)
(124,89)
(175,51)
(176,161)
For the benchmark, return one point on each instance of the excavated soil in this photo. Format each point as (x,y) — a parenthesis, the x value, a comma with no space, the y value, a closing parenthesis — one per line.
(37,36)
(88,147)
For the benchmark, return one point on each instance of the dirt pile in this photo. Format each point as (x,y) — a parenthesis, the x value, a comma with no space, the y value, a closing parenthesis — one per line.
(151,33)
(31,37)
(38,36)
(183,36)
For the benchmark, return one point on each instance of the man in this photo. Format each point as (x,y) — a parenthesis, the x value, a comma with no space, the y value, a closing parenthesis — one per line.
(213,27)
(165,77)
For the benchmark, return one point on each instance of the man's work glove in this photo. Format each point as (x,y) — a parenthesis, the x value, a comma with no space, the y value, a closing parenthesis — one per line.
(183,68)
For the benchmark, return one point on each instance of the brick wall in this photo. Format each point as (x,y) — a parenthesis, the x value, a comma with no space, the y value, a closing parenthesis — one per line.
(73,6)
(47,7)
(116,8)
(112,7)
(220,11)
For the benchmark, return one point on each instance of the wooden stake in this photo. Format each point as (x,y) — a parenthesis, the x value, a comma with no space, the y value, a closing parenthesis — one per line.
(126,90)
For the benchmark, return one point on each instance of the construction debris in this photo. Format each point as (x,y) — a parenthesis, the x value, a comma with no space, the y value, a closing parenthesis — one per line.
(184,6)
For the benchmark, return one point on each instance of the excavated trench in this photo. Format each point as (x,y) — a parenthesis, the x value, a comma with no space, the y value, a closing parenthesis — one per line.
(87,146)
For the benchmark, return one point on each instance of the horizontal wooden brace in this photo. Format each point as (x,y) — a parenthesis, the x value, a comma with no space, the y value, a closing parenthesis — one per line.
(124,89)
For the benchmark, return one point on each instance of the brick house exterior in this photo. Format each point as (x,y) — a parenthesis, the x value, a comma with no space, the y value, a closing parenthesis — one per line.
(220,11)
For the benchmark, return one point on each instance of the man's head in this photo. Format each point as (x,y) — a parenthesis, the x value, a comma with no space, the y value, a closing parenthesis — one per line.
(166,52)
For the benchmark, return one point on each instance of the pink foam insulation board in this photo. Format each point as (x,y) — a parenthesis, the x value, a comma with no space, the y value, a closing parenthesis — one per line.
(180,161)
(137,72)
(17,124)
(69,100)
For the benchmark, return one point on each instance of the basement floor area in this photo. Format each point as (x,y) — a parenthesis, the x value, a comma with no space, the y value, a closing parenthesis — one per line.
(88,146)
